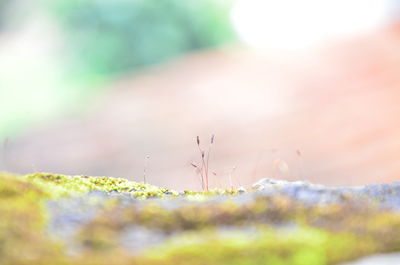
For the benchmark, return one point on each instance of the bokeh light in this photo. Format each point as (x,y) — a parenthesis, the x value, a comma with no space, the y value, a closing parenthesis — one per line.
(290,24)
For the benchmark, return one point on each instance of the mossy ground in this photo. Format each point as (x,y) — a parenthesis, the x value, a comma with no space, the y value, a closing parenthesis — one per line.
(218,227)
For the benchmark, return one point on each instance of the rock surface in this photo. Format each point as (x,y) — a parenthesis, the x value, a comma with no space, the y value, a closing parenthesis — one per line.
(386,195)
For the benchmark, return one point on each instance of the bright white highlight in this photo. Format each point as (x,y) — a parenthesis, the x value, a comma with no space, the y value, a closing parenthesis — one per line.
(300,23)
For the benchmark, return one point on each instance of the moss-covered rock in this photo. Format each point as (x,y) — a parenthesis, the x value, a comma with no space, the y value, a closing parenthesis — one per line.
(56,219)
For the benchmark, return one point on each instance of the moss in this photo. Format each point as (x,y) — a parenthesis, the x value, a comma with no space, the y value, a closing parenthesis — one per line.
(264,230)
(60,185)
(302,246)
(188,215)
(206,194)
(23,212)
(274,210)
(23,217)
(57,185)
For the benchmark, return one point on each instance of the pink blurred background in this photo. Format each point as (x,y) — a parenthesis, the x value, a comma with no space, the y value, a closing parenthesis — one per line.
(286,100)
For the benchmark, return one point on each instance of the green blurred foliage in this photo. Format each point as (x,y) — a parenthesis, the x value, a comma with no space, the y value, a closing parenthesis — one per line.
(100,40)
(106,38)
(3,9)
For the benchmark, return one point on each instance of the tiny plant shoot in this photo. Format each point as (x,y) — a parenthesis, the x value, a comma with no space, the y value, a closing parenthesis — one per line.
(205,159)
(146,163)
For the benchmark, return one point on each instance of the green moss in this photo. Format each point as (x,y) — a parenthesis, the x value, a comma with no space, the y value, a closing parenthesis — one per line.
(302,246)
(23,217)
(23,213)
(203,213)
(212,192)
(57,185)
(60,185)
(266,230)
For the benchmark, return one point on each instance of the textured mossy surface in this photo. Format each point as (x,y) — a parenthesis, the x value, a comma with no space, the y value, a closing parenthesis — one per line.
(51,219)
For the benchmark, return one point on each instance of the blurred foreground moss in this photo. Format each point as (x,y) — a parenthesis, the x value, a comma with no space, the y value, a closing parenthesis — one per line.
(300,246)
(266,230)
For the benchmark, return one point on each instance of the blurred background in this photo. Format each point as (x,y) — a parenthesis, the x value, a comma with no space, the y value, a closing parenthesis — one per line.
(296,90)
